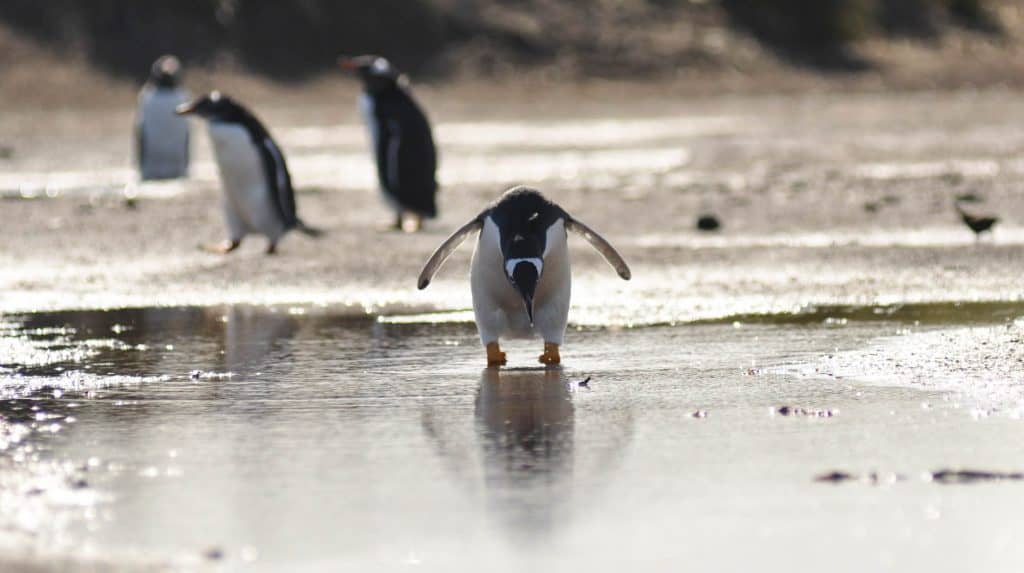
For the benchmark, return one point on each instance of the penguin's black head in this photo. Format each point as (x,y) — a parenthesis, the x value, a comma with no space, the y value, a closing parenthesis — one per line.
(165,72)
(213,106)
(523,217)
(376,72)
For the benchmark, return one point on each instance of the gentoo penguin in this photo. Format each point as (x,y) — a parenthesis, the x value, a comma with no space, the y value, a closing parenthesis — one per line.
(520,276)
(161,138)
(402,141)
(258,195)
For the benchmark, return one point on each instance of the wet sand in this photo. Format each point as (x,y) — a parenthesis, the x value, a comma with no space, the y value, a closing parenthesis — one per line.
(359,422)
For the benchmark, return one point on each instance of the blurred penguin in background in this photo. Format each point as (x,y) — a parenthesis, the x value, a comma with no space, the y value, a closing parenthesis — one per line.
(402,141)
(161,136)
(258,194)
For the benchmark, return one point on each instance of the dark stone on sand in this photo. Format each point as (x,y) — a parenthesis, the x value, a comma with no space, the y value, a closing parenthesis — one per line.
(699,414)
(213,554)
(835,477)
(947,476)
(708,223)
(798,411)
(969,197)
(873,478)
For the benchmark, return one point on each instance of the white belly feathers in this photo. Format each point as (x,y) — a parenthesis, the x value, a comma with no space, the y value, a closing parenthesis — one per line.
(247,198)
(500,310)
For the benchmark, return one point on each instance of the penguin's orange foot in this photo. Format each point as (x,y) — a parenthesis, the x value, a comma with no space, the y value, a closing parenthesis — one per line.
(495,357)
(550,356)
(222,248)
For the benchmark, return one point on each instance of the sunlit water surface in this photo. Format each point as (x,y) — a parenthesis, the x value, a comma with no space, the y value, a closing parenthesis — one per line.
(272,439)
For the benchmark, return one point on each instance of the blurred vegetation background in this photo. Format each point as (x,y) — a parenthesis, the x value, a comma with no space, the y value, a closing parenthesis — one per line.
(294,40)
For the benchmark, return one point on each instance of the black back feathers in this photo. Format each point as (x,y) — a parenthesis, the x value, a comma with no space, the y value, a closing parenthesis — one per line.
(523,217)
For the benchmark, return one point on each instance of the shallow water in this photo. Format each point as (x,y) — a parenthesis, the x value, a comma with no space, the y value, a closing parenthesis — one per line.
(301,439)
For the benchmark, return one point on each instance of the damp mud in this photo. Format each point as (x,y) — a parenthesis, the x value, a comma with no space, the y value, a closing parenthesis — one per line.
(162,408)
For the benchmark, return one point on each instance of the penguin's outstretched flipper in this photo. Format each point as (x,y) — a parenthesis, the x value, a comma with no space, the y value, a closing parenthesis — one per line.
(446,249)
(601,245)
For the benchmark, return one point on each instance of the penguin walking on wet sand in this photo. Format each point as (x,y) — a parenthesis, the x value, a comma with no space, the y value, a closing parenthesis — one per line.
(520,276)
(403,144)
(161,137)
(258,194)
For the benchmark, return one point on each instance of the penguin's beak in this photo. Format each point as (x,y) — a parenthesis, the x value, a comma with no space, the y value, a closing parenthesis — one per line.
(525,274)
(186,108)
(526,292)
(348,64)
(528,299)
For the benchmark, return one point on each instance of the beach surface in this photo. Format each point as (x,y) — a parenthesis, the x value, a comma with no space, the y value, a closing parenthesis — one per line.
(834,378)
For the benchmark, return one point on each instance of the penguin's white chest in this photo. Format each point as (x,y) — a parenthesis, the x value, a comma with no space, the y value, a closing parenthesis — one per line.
(247,195)
(500,310)
(367,110)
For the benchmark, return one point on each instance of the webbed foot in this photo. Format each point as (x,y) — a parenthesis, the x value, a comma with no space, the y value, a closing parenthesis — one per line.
(495,357)
(221,248)
(550,356)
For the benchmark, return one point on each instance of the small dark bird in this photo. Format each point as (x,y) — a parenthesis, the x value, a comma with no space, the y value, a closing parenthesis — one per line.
(976,223)
(403,143)
(585,383)
(708,223)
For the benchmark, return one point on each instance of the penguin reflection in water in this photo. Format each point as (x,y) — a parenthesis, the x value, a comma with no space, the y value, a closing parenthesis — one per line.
(258,194)
(403,145)
(520,276)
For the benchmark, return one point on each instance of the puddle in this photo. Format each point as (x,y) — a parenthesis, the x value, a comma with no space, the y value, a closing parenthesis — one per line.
(180,433)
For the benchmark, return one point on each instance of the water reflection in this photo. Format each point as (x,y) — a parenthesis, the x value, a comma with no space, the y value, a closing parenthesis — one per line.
(526,431)
(321,411)
(252,337)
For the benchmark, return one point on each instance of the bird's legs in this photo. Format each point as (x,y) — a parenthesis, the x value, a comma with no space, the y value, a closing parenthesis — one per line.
(412,223)
(495,357)
(550,356)
(223,247)
(271,248)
